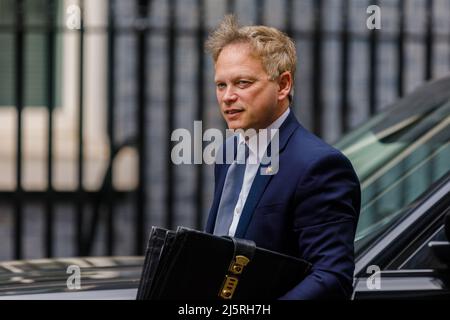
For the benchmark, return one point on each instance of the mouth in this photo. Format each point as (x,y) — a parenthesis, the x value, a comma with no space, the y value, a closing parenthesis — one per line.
(233,111)
(233,114)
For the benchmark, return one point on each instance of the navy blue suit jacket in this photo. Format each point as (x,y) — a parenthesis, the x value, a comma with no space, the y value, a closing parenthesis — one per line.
(308,209)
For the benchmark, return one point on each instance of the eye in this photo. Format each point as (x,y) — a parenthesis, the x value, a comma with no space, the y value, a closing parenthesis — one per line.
(243,83)
(220,85)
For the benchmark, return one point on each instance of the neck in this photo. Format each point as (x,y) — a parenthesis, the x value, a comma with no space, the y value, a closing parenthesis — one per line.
(282,107)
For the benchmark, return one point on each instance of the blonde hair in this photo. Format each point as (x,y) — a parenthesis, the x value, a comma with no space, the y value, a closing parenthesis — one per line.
(275,49)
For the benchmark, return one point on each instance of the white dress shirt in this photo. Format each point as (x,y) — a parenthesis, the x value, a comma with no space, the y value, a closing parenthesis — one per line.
(251,168)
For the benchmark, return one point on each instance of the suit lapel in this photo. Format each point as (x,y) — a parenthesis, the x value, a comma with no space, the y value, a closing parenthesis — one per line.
(261,181)
(217,195)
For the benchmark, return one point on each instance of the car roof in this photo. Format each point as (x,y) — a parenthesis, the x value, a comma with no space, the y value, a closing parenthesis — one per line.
(49,277)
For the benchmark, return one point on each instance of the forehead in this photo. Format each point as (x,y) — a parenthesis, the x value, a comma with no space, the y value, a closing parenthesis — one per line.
(236,60)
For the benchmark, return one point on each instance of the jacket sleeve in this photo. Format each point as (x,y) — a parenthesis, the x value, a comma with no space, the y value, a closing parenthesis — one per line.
(327,205)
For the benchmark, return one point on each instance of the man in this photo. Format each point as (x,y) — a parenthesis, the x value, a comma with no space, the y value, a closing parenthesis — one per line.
(310,207)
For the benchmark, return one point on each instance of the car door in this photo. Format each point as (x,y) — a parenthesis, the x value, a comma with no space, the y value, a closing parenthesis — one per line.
(403,265)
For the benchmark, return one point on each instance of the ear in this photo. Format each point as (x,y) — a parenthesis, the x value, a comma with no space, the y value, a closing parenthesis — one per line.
(284,85)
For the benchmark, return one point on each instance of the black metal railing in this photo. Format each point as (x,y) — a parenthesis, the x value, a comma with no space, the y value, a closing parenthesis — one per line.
(103,203)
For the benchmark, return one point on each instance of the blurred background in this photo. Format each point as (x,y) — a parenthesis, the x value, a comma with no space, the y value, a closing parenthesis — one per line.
(91,90)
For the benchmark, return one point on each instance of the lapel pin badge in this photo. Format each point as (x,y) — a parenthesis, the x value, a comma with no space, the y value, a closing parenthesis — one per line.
(269,170)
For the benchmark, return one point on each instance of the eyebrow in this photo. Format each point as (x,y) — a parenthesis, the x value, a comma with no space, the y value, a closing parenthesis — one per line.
(239,76)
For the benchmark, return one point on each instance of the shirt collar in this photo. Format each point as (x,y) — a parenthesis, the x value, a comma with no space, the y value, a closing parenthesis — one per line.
(253,143)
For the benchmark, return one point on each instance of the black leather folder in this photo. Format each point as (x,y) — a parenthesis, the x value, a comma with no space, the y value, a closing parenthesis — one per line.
(194,265)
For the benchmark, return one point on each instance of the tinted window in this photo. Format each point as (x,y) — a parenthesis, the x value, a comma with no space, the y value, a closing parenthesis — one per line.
(397,156)
(423,257)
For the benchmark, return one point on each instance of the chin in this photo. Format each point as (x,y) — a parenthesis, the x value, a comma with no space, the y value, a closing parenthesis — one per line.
(236,127)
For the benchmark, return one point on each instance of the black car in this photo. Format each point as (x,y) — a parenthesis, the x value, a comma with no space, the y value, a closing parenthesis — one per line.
(109,278)
(402,157)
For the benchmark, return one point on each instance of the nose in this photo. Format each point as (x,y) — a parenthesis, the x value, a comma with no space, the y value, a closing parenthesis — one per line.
(229,96)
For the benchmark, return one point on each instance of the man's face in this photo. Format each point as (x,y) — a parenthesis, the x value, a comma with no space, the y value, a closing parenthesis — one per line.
(246,96)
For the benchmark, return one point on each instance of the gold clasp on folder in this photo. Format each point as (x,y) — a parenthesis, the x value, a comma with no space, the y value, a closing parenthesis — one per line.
(238,264)
(231,282)
(228,287)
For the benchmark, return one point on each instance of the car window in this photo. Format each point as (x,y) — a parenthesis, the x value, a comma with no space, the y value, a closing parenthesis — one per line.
(397,157)
(423,257)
